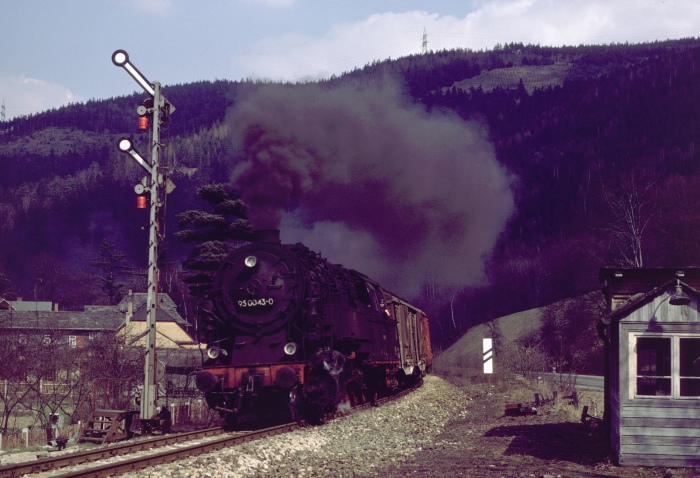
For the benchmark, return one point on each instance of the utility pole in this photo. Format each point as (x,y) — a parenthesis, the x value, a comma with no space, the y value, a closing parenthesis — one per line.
(156,180)
(424,50)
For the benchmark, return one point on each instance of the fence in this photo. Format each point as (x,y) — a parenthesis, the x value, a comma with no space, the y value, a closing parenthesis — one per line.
(186,414)
(192,413)
(35,437)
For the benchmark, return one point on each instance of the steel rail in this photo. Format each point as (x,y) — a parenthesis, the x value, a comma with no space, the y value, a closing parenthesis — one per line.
(71,459)
(169,456)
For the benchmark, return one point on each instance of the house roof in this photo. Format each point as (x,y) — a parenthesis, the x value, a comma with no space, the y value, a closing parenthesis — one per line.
(103,320)
(93,317)
(183,358)
(22,305)
(166,311)
(642,298)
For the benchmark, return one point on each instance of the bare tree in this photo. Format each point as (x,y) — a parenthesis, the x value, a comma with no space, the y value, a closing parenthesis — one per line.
(632,206)
(18,381)
(496,335)
(568,334)
(526,355)
(55,373)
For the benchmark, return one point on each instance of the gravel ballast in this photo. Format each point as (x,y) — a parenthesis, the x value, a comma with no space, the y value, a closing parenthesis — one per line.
(368,443)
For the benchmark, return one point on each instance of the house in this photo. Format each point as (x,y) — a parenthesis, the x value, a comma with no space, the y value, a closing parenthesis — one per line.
(180,355)
(171,328)
(127,320)
(75,328)
(21,321)
(651,334)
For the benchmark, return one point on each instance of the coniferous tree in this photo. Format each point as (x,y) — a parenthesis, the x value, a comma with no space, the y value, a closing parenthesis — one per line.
(214,234)
(112,265)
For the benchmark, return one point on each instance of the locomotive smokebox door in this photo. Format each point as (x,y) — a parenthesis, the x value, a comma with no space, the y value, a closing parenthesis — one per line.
(260,289)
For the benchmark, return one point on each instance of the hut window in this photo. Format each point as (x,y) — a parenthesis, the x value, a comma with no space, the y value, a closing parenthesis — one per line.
(654,366)
(690,367)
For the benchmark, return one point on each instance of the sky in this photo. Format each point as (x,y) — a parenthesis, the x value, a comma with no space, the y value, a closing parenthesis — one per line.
(58,52)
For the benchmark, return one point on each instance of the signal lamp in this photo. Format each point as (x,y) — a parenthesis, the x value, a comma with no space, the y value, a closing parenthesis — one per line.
(141,202)
(121,58)
(143,122)
(124,145)
(250,261)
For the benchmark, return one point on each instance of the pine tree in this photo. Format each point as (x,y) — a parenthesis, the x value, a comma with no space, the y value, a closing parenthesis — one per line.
(214,234)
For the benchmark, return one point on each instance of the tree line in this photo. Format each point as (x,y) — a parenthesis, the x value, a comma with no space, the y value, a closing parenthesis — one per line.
(620,127)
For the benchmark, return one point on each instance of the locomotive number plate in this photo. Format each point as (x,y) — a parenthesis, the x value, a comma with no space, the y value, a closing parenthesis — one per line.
(255,302)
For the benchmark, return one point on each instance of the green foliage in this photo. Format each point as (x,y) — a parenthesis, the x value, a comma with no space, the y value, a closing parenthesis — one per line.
(214,234)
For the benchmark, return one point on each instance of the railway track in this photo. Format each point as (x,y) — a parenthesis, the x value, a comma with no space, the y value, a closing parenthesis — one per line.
(114,460)
(103,453)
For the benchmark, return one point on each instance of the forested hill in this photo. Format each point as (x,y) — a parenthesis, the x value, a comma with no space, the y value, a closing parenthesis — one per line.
(589,133)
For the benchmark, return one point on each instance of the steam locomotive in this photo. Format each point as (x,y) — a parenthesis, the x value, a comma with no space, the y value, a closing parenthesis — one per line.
(290,333)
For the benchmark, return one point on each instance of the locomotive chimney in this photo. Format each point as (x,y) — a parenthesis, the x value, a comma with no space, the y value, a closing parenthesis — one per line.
(270,236)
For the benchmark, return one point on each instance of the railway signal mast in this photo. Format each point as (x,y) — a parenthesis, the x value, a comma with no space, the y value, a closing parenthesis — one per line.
(160,109)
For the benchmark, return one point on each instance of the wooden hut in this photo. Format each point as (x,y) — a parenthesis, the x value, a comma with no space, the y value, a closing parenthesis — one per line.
(652,386)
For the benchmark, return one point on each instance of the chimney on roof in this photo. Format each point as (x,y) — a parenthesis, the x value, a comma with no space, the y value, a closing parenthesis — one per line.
(129,307)
(19,299)
(55,307)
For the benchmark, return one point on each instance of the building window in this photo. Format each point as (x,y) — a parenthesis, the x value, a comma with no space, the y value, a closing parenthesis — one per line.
(72,341)
(653,366)
(689,367)
(47,340)
(667,366)
(22,339)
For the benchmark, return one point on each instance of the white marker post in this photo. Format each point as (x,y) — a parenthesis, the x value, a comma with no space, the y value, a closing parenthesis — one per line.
(488,362)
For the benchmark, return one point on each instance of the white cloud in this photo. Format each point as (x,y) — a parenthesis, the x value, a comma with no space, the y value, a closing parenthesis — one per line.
(345,46)
(558,22)
(158,7)
(270,3)
(23,95)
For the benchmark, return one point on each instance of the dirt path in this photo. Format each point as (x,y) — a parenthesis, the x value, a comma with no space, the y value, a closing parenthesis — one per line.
(482,441)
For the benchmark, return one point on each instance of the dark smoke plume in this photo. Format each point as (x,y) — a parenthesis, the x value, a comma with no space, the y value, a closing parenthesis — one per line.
(373,183)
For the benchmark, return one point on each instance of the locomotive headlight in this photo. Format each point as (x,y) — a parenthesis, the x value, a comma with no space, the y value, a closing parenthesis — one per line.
(213,352)
(290,348)
(250,261)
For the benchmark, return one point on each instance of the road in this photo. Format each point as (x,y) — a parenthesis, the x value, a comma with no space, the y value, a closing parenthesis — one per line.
(594,382)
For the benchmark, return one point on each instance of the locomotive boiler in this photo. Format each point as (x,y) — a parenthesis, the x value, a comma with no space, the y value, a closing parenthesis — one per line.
(288,332)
